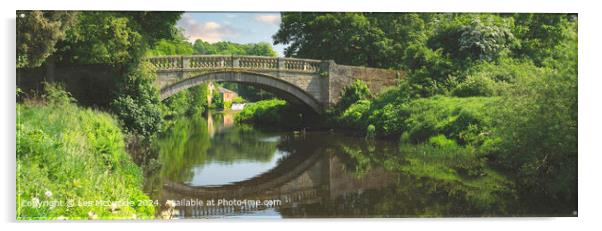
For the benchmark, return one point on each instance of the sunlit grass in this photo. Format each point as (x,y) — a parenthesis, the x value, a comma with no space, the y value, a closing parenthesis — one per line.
(74,155)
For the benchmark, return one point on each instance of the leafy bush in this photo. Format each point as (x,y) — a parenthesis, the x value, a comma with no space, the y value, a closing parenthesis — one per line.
(198,99)
(238,99)
(138,105)
(191,101)
(275,113)
(176,105)
(352,93)
(355,115)
(535,131)
(263,112)
(475,86)
(542,142)
(55,93)
(389,119)
(217,100)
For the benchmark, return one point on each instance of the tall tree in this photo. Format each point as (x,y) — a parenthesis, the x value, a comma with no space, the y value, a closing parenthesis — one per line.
(37,34)
(116,38)
(348,38)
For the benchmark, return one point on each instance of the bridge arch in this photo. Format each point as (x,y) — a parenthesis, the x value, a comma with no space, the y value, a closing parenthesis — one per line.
(279,87)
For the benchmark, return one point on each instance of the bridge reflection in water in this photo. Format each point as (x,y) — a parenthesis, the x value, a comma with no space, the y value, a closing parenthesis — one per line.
(298,180)
(312,174)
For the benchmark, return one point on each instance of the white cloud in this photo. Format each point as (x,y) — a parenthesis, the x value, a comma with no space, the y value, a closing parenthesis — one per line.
(272,19)
(207,31)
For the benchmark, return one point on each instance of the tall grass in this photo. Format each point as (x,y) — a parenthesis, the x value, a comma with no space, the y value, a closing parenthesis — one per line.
(67,156)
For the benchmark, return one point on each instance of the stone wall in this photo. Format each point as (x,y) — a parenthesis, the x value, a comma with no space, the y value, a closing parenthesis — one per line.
(377,79)
(91,85)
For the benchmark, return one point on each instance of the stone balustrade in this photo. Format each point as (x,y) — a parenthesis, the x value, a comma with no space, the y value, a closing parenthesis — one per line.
(202,62)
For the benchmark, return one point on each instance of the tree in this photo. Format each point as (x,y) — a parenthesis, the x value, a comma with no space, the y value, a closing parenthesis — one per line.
(540,34)
(229,48)
(348,38)
(116,38)
(37,34)
(175,46)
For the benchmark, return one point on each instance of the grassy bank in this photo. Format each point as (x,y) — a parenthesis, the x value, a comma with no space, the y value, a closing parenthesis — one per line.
(275,113)
(68,156)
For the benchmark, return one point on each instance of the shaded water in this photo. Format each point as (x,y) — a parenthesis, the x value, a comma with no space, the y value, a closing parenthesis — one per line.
(213,168)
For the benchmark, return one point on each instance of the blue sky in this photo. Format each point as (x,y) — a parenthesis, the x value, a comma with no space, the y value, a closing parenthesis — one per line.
(235,27)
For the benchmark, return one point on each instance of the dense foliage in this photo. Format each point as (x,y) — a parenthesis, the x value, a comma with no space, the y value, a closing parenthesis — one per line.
(494,87)
(114,37)
(178,45)
(69,154)
(37,34)
(275,113)
(137,104)
(353,93)
(436,49)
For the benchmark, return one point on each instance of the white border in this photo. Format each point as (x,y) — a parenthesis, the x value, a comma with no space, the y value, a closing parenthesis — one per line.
(589,110)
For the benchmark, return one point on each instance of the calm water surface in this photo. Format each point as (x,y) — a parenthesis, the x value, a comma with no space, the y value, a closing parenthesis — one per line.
(213,168)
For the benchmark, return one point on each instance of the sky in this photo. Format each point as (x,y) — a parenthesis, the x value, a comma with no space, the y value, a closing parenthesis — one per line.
(231,26)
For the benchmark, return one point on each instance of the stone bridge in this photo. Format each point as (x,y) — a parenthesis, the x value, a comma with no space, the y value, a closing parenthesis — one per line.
(315,83)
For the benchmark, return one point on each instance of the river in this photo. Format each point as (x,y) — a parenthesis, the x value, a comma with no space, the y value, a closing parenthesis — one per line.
(211,167)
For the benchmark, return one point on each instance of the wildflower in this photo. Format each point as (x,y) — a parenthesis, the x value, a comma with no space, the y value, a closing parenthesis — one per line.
(92,215)
(48,194)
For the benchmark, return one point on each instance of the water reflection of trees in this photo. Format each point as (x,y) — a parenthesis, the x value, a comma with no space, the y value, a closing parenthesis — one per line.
(417,191)
(188,143)
(241,143)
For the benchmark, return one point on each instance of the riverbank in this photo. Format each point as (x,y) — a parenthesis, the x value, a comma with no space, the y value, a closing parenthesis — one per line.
(527,130)
(72,164)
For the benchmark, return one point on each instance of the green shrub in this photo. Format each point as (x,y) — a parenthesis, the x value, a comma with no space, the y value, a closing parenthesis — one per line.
(192,101)
(227,105)
(217,100)
(355,115)
(176,105)
(263,112)
(55,93)
(389,119)
(137,104)
(535,136)
(276,113)
(352,93)
(475,86)
(137,117)
(238,99)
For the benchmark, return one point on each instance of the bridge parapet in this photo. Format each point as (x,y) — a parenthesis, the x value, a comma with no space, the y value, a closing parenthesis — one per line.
(209,62)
